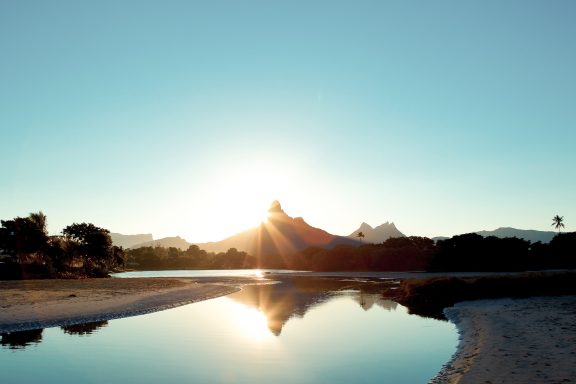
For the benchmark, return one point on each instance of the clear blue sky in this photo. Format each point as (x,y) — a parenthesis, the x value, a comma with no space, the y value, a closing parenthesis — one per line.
(189,117)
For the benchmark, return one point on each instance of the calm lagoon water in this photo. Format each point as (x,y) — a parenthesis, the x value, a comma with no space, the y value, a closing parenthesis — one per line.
(293,332)
(202,273)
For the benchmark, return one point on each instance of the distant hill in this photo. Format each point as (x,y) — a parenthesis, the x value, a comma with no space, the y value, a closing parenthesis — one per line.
(127,241)
(166,242)
(279,235)
(526,234)
(376,235)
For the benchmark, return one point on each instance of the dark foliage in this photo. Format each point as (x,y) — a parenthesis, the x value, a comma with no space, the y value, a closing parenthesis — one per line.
(472,252)
(26,250)
(150,258)
(430,296)
(395,254)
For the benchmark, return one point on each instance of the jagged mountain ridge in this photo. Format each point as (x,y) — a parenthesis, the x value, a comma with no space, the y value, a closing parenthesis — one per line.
(378,234)
(279,235)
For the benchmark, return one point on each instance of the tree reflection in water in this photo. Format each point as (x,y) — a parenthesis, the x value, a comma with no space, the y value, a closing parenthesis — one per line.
(23,339)
(84,329)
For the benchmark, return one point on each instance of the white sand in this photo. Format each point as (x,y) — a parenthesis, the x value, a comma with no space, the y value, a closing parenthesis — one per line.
(514,341)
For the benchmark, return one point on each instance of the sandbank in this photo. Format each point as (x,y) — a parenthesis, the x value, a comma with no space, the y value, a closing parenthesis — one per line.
(33,304)
(530,340)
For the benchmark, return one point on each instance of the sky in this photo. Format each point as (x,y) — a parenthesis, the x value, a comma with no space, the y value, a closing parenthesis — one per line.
(190,117)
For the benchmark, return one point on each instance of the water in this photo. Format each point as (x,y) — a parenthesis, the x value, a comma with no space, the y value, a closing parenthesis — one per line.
(299,331)
(203,273)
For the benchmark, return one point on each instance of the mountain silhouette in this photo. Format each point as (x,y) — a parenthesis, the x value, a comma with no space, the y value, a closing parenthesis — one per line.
(376,235)
(293,297)
(279,235)
(166,242)
(526,234)
(127,241)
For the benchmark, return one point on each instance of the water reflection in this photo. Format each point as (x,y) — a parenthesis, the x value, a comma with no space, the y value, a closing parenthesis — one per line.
(22,339)
(84,329)
(349,334)
(294,296)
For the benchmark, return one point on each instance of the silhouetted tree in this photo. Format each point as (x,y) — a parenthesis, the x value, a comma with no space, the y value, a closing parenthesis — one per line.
(558,222)
(360,235)
(40,220)
(93,245)
(22,236)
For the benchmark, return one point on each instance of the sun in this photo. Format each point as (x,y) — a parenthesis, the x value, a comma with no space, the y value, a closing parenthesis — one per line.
(240,196)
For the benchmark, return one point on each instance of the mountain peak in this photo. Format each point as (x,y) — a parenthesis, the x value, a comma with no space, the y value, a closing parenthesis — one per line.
(365,227)
(275,207)
(377,234)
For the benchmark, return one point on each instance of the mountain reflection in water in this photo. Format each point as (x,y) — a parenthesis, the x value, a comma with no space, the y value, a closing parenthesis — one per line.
(294,296)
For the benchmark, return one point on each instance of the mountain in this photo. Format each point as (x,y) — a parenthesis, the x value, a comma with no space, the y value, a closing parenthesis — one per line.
(127,241)
(166,242)
(502,232)
(376,235)
(526,234)
(279,235)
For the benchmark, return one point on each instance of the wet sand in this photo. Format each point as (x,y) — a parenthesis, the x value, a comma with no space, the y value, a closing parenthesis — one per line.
(513,341)
(32,304)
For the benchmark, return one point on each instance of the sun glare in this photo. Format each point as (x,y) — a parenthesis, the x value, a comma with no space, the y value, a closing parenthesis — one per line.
(239,197)
(251,323)
(258,273)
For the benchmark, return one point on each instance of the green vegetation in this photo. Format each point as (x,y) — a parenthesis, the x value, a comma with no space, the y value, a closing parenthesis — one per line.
(429,297)
(158,258)
(83,250)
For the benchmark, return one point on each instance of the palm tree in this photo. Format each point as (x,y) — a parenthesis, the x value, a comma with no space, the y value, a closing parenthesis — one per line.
(360,235)
(39,219)
(558,222)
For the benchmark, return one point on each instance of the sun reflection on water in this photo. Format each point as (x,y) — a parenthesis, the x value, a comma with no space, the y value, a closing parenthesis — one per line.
(251,323)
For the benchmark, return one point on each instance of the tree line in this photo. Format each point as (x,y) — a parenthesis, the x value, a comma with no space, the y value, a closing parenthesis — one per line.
(159,258)
(468,252)
(82,250)
(27,251)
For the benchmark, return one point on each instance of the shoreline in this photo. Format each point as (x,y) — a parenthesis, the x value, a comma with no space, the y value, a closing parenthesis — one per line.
(513,341)
(34,304)
(501,340)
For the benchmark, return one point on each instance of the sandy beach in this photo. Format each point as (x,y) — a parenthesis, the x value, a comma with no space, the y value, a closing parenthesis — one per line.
(512,341)
(32,304)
